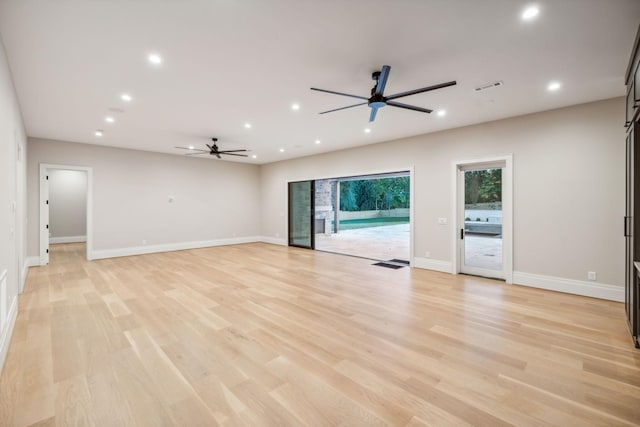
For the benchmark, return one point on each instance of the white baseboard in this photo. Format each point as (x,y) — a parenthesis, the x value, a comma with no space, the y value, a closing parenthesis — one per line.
(432,264)
(570,286)
(7,332)
(32,261)
(273,240)
(168,247)
(67,239)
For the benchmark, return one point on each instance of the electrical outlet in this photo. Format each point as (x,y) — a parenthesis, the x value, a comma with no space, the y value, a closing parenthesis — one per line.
(442,221)
(427,254)
(591,275)
(144,242)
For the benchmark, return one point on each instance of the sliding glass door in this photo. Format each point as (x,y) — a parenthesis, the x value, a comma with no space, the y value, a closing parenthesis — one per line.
(301,213)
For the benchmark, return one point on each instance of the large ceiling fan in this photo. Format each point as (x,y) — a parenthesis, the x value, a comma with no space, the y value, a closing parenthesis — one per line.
(213,150)
(378,100)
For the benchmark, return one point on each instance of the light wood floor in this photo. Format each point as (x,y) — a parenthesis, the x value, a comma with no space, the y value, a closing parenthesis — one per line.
(266,335)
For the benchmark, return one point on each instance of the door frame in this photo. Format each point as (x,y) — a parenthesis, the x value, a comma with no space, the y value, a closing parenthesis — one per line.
(410,168)
(507,210)
(19,208)
(44,212)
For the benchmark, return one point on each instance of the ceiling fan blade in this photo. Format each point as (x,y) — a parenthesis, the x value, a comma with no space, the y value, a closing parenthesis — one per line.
(424,89)
(232,154)
(210,148)
(196,154)
(409,107)
(344,108)
(230,151)
(218,155)
(382,80)
(191,149)
(374,111)
(338,93)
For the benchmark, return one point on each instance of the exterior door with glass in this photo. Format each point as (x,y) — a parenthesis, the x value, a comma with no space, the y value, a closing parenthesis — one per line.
(481,243)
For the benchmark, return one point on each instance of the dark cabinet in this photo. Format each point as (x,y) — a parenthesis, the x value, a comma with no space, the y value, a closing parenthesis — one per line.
(632,204)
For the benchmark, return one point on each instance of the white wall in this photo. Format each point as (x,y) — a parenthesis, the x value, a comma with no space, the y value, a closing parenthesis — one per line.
(568,187)
(67,205)
(214,201)
(13,149)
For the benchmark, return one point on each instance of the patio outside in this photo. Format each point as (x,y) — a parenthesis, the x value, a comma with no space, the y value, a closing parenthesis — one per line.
(392,242)
(381,243)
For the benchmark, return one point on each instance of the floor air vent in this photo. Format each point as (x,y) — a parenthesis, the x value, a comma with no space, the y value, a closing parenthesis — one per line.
(388,265)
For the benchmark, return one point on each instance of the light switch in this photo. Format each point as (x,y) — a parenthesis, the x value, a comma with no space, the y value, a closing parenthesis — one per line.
(442,221)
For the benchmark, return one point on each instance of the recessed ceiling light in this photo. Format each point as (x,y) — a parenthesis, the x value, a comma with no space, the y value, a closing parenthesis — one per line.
(98,133)
(126,97)
(367,130)
(295,106)
(318,141)
(155,59)
(254,156)
(191,147)
(553,86)
(442,113)
(530,13)
(247,125)
(282,150)
(109,119)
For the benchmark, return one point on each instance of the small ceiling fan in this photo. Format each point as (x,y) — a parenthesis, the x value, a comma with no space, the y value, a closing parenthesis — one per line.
(213,151)
(378,100)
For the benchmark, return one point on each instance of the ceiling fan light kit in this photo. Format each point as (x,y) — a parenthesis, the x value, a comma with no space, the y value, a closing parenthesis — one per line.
(378,100)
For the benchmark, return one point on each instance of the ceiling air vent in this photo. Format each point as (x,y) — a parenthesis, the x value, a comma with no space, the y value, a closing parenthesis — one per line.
(488,86)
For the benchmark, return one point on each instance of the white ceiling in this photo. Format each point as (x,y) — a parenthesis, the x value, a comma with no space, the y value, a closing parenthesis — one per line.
(228,62)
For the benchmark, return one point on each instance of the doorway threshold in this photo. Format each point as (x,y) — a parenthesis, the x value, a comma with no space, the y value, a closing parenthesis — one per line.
(399,263)
(483,277)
